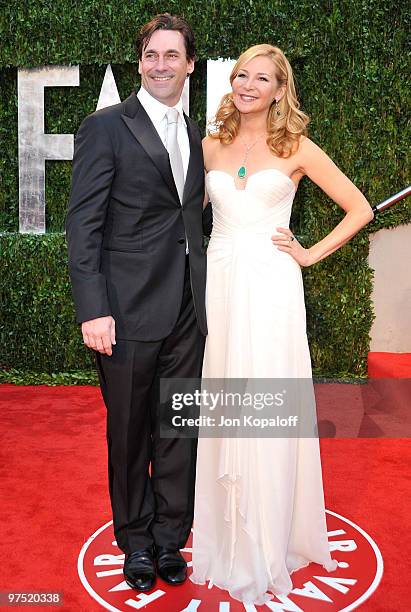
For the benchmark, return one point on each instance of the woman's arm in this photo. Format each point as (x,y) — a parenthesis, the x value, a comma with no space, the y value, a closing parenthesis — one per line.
(208,146)
(323,172)
(206,198)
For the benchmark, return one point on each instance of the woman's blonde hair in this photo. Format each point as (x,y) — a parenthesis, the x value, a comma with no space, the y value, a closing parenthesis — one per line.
(284,129)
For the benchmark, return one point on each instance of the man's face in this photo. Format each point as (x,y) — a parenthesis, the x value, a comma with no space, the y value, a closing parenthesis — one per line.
(164,66)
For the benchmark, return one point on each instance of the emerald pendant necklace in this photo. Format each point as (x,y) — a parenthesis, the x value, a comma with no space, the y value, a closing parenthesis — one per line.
(242,171)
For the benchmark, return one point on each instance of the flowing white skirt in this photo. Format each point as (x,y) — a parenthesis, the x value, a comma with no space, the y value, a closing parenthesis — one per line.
(259,504)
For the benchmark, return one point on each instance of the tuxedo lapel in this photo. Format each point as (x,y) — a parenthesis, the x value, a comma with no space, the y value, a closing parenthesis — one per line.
(139,124)
(196,163)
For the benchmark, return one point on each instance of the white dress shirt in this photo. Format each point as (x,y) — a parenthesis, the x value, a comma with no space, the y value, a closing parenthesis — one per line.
(157,112)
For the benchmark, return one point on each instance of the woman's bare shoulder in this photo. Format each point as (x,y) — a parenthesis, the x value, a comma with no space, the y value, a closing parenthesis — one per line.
(306,145)
(305,150)
(210,147)
(210,143)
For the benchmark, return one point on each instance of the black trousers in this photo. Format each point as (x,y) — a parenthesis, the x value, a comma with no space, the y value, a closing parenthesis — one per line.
(157,507)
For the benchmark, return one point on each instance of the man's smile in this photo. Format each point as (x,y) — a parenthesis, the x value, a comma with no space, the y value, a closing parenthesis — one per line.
(162,78)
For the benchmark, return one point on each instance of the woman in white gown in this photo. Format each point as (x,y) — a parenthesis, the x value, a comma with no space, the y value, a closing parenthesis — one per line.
(259,504)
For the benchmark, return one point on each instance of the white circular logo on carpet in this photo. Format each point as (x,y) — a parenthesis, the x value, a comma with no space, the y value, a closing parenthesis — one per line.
(359,572)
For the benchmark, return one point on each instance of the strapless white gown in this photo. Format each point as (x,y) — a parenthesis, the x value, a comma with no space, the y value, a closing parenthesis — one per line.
(259,503)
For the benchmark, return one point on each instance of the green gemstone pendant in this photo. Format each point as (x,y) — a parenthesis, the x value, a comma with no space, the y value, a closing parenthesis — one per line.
(242,172)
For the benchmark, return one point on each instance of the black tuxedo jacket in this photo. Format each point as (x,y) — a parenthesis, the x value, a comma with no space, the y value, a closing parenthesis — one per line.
(126,228)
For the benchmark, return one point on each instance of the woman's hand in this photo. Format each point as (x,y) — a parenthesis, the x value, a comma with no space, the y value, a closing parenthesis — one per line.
(289,244)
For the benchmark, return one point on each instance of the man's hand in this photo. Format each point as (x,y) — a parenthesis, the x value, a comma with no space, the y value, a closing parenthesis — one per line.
(99,334)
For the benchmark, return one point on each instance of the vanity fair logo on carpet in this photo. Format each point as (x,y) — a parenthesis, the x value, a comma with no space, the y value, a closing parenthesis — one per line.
(359,572)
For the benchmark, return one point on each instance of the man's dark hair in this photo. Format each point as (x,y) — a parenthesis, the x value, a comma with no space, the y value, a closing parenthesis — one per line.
(165,21)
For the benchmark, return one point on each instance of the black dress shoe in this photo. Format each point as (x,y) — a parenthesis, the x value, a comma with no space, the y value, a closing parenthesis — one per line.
(171,566)
(139,570)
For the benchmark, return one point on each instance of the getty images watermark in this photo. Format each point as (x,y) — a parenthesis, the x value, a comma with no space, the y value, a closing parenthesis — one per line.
(241,408)
(227,399)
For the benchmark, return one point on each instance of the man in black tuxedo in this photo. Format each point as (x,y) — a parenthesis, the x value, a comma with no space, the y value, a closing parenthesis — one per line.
(138,271)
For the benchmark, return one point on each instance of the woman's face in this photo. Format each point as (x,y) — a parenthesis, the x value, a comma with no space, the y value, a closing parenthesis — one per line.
(256,86)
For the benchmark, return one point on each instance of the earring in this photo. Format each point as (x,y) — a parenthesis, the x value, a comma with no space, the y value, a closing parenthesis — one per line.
(277,108)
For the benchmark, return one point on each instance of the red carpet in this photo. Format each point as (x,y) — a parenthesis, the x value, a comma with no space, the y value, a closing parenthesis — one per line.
(54,493)
(389,365)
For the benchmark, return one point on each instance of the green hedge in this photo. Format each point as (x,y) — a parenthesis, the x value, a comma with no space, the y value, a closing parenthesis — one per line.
(38,328)
(38,332)
(350,60)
